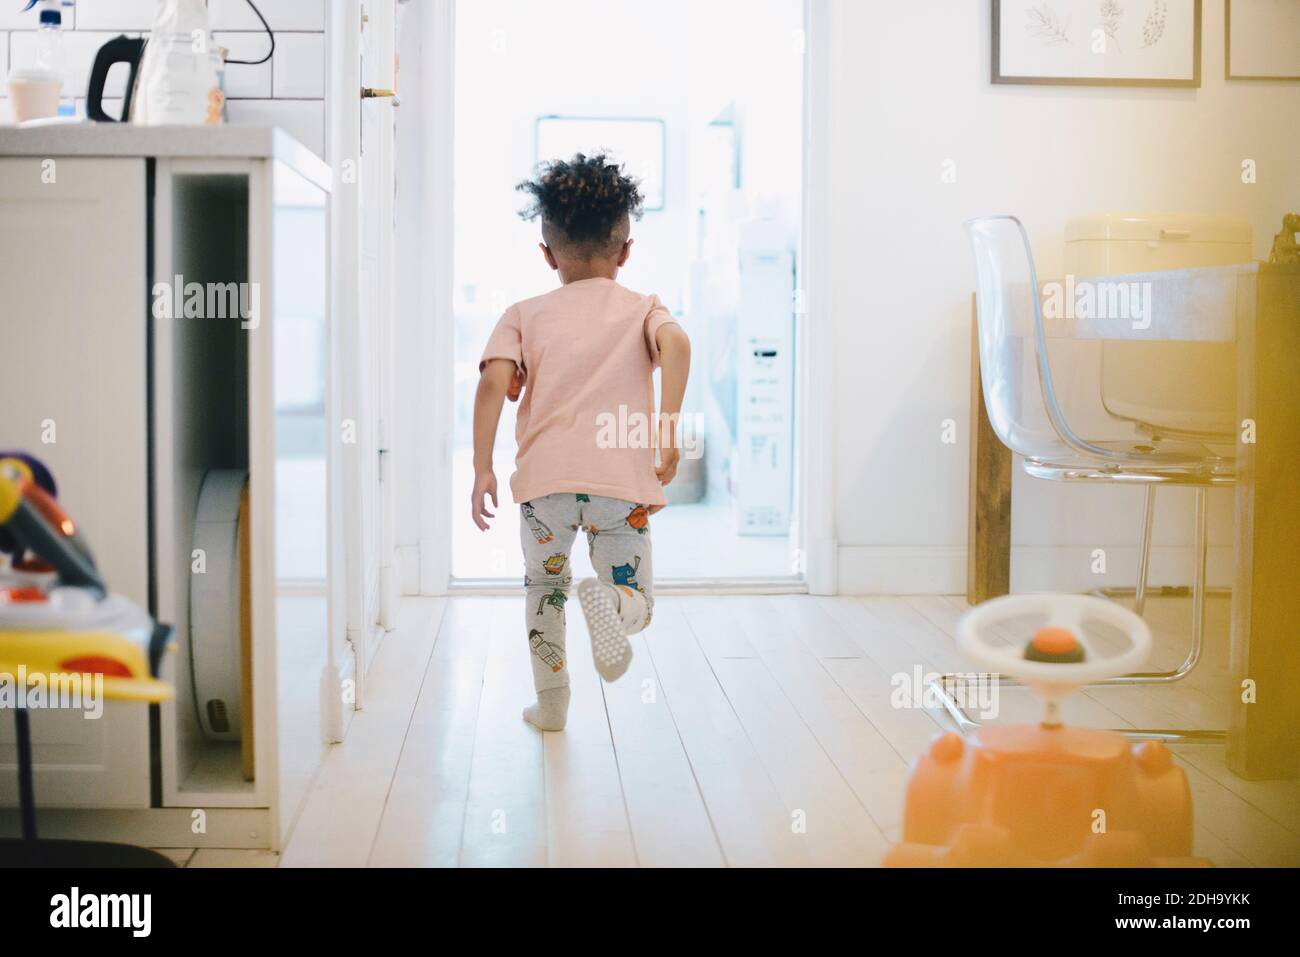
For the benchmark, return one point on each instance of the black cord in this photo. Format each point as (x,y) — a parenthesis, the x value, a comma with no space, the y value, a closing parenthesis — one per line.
(269,33)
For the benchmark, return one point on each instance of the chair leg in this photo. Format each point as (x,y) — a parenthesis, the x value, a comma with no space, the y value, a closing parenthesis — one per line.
(1144,558)
(1200,549)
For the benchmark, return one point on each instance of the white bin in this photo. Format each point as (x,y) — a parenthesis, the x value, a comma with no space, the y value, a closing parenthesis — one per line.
(1165,387)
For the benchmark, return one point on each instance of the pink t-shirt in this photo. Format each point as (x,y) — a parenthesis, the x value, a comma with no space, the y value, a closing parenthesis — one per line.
(586,418)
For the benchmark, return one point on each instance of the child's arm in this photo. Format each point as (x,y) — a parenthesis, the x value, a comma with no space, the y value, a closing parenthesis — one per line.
(496,380)
(674,365)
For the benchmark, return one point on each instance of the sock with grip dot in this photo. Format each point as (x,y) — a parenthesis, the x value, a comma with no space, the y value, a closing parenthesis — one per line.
(605,609)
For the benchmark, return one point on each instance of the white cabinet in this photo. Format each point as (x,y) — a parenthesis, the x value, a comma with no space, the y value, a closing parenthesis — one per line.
(73,242)
(165,314)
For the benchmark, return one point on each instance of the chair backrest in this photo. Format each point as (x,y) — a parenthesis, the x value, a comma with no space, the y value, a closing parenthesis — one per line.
(1014,364)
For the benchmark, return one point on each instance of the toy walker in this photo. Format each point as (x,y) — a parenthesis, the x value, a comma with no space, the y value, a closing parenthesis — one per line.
(57,623)
(1048,795)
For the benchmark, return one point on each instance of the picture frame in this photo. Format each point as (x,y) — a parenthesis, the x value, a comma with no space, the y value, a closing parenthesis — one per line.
(1261,40)
(1129,43)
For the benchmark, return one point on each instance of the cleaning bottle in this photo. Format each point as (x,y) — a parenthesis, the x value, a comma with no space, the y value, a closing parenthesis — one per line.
(179,72)
(34,91)
(49,37)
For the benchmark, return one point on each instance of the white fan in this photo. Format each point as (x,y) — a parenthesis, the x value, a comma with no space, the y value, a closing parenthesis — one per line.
(215,605)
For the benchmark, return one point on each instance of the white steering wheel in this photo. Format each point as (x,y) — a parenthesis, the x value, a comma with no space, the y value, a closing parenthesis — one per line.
(1053,678)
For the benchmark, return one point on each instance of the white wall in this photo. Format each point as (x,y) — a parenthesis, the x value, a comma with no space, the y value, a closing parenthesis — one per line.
(287,91)
(910,89)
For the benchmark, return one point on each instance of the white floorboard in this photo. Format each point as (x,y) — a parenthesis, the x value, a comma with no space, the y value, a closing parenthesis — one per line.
(748,732)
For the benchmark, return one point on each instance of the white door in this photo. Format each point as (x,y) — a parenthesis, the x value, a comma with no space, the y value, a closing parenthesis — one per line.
(361,144)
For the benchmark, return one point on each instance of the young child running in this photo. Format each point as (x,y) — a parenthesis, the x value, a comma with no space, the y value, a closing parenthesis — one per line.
(582,356)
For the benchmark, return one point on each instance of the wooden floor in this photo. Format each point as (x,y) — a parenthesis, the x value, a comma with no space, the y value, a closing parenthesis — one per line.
(749,731)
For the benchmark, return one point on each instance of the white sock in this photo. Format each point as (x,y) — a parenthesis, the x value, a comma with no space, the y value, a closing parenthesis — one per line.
(551,710)
(633,609)
(605,608)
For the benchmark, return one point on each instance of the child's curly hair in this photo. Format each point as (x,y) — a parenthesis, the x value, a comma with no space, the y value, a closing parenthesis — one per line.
(583,202)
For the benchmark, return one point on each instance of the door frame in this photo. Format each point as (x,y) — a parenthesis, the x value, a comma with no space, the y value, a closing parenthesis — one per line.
(381,17)
(343,80)
(815,335)
(814,527)
(437,103)
(368,611)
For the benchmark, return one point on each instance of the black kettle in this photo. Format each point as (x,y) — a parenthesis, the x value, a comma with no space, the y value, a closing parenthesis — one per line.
(120,49)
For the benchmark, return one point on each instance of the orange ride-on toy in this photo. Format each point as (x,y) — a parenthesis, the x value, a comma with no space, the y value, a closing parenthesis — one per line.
(1048,795)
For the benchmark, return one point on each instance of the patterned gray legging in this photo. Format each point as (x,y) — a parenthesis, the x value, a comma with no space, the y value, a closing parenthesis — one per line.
(618,540)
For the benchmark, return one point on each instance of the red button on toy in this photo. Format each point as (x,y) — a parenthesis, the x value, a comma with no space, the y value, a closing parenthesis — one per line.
(21,595)
(1054,644)
(95,665)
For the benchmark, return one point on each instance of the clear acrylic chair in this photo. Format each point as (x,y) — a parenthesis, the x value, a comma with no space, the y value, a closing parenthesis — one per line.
(1022,404)
(1218,437)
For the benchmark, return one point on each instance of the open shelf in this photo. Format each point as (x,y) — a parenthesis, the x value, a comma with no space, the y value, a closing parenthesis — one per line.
(201,403)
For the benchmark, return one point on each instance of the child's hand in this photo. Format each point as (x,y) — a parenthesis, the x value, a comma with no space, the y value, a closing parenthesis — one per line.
(668,459)
(485,483)
(516,387)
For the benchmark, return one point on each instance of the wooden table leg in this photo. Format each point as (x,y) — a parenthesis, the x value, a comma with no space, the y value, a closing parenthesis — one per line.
(1264,734)
(988,536)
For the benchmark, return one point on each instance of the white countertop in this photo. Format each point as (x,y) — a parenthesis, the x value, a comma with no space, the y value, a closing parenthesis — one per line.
(125,139)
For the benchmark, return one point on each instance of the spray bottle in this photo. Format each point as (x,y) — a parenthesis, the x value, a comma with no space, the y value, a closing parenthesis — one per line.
(35,90)
(49,35)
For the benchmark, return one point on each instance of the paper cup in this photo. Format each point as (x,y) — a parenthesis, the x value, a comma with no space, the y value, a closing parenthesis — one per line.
(33,93)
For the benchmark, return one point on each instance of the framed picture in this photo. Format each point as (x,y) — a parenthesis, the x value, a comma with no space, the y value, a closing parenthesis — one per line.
(638,144)
(1262,40)
(1098,42)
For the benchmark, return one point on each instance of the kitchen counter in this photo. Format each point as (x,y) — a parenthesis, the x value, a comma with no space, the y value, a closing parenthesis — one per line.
(174,286)
(124,139)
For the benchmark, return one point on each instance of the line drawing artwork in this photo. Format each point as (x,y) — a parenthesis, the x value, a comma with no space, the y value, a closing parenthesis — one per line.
(1153,28)
(1100,42)
(1046,26)
(1111,14)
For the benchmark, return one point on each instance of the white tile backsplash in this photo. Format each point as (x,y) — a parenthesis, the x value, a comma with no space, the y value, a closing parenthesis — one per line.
(122,15)
(287,91)
(137,15)
(112,107)
(14,17)
(79,49)
(243,80)
(280,14)
(300,65)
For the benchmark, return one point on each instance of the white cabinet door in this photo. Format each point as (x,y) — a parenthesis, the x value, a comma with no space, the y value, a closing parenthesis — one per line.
(73,283)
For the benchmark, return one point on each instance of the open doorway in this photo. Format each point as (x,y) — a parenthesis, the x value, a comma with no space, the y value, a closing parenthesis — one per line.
(704,103)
